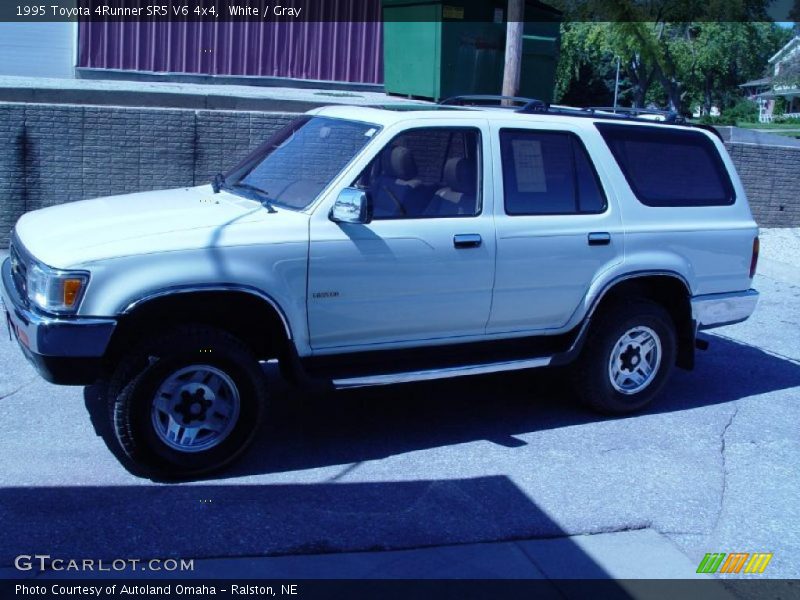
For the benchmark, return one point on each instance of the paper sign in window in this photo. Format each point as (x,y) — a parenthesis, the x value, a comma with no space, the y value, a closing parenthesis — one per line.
(529,166)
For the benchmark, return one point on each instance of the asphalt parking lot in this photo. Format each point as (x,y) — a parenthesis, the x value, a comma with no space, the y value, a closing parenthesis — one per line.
(711,467)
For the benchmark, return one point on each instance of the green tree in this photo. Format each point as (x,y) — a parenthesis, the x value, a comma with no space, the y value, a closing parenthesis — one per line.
(598,46)
(677,64)
(724,55)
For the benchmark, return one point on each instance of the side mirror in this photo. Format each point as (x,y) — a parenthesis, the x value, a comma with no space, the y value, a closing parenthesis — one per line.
(351,206)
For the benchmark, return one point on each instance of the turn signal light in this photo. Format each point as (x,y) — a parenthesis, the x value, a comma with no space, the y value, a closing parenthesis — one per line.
(72,288)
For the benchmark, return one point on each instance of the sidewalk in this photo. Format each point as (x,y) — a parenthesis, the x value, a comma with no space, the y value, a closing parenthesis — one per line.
(642,554)
(757,137)
(182,95)
(629,555)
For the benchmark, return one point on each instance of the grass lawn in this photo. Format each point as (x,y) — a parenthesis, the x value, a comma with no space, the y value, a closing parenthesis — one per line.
(787,129)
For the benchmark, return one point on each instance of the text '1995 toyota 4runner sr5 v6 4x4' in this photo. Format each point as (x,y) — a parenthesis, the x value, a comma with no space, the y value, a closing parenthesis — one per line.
(369,246)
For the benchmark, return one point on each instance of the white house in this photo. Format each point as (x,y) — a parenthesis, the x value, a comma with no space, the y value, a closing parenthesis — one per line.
(784,82)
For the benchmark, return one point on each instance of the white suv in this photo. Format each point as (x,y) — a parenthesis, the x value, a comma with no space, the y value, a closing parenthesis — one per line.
(369,246)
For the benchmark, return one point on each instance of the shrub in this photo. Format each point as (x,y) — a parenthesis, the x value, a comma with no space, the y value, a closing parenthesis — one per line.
(744,111)
(780,107)
(721,120)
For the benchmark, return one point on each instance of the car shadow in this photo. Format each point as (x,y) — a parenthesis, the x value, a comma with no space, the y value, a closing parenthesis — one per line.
(307,431)
(224,521)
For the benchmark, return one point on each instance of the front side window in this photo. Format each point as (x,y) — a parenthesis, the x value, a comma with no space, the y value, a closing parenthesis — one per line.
(669,167)
(548,173)
(425,173)
(293,167)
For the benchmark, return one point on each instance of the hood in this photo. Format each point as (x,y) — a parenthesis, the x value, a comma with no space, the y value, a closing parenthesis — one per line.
(69,235)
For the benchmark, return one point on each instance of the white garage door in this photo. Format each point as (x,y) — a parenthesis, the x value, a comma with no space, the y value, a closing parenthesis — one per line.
(37,49)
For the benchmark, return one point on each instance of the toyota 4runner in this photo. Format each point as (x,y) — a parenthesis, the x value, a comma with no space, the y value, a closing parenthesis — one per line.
(370,246)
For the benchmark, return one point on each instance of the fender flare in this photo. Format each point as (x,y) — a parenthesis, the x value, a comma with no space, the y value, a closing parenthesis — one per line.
(188,289)
(577,344)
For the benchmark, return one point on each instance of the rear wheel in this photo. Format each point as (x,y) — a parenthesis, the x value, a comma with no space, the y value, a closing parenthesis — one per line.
(627,358)
(193,407)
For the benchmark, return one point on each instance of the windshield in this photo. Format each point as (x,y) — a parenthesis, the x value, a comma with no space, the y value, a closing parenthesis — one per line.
(298,162)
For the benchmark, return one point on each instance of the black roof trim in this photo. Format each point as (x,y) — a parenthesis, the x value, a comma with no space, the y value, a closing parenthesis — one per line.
(483,100)
(535,106)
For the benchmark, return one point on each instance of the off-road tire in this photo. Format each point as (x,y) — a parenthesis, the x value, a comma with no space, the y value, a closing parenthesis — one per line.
(593,382)
(142,372)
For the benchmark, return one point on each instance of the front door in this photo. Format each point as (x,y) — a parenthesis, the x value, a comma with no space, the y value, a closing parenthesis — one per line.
(423,268)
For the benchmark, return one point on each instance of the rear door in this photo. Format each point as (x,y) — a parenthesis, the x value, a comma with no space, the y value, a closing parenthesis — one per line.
(558,226)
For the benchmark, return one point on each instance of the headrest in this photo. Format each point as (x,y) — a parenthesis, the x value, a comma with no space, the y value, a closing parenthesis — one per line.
(402,163)
(459,175)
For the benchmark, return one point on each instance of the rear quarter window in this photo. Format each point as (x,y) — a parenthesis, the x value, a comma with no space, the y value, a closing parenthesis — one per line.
(669,167)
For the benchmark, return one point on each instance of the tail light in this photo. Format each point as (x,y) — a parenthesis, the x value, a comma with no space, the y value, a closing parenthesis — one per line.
(754,258)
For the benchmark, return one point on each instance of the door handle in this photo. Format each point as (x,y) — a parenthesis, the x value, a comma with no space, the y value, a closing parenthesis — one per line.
(599,238)
(467,240)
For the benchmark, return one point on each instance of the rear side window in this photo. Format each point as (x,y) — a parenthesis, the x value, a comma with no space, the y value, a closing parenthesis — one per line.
(669,167)
(548,173)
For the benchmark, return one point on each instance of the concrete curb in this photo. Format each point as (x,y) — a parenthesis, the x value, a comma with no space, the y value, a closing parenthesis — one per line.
(629,555)
(187,95)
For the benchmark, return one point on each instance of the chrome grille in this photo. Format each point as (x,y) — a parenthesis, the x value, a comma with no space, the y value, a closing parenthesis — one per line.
(19,270)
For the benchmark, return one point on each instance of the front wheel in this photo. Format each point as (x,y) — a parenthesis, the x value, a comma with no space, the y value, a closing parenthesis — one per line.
(195,406)
(627,357)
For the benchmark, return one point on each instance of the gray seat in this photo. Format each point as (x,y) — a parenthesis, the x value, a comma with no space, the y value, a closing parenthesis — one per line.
(458,196)
(396,190)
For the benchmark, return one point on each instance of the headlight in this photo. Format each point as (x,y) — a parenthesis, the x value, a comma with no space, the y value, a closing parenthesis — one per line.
(53,290)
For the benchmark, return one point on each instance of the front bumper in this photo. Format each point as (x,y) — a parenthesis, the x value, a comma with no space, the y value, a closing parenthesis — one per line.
(716,310)
(65,350)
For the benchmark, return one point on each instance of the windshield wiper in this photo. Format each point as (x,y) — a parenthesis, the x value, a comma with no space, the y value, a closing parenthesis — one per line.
(218,182)
(263,196)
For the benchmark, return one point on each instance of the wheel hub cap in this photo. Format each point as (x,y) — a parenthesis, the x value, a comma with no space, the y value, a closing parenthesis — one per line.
(635,360)
(195,408)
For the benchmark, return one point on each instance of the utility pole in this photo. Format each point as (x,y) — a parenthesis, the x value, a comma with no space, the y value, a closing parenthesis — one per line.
(616,87)
(514,26)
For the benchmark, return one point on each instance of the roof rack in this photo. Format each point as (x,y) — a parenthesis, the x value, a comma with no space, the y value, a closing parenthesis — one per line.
(484,99)
(528,105)
(532,106)
(669,116)
(535,106)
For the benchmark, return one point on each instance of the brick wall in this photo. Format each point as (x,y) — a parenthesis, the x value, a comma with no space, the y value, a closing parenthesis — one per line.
(771,177)
(51,154)
(60,153)
(12,168)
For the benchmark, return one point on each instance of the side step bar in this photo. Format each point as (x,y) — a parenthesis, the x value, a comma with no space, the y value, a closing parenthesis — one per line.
(441,373)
